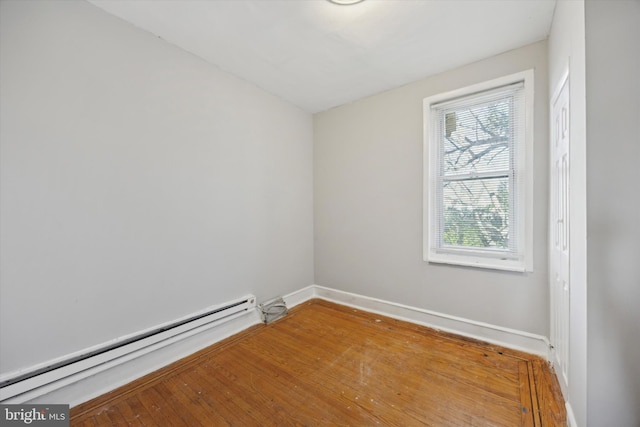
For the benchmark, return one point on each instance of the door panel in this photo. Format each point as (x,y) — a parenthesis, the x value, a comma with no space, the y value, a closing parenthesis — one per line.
(560,287)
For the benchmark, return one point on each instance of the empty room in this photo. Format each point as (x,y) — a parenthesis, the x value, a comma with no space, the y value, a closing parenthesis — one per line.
(320,212)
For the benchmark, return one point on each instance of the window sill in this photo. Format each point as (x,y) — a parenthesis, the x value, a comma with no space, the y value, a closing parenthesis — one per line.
(479,262)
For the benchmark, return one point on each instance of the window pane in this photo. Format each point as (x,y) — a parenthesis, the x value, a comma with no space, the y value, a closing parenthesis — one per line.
(476,213)
(477,138)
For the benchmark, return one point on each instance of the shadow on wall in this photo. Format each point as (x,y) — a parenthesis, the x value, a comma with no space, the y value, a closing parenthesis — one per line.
(614,296)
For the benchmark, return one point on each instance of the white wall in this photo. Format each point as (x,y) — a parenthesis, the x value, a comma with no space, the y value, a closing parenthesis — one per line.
(567,50)
(139,183)
(613,211)
(368,204)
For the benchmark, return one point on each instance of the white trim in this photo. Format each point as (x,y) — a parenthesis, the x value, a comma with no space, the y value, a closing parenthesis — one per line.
(524,180)
(506,337)
(481,261)
(571,418)
(300,296)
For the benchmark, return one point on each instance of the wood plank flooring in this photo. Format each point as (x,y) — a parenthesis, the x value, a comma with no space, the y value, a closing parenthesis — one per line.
(330,365)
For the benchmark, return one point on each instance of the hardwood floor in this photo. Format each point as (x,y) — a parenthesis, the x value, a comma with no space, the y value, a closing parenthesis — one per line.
(330,365)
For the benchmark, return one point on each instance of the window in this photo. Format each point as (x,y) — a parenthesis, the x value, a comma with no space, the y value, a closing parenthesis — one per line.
(478,175)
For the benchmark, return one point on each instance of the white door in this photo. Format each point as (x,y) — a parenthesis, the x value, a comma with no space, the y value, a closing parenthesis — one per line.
(559,242)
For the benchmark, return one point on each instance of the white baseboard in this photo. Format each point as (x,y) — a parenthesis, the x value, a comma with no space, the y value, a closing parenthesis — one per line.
(300,296)
(88,384)
(571,417)
(506,337)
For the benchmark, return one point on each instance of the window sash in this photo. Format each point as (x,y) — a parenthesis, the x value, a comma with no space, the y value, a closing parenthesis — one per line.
(441,111)
(443,246)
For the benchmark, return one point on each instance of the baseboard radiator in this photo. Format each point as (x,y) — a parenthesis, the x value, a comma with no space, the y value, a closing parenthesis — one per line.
(131,346)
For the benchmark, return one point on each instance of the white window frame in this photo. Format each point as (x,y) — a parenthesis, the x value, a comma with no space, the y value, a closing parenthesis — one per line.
(478,257)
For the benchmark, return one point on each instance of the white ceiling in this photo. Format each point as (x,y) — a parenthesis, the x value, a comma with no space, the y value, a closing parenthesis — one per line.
(319,55)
